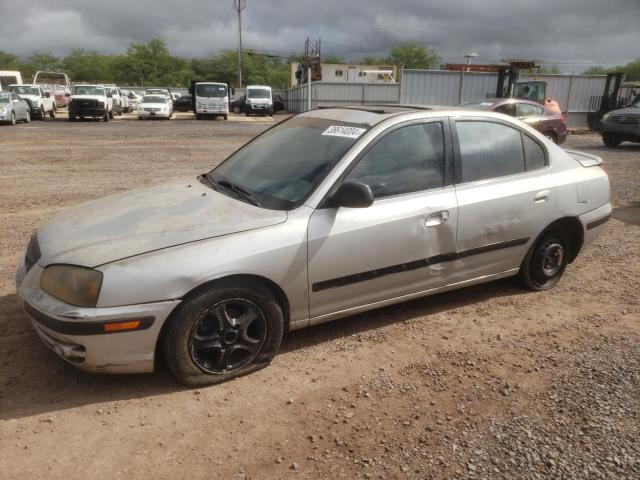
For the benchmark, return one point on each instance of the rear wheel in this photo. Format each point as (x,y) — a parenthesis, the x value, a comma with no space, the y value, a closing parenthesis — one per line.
(611,140)
(546,261)
(223,332)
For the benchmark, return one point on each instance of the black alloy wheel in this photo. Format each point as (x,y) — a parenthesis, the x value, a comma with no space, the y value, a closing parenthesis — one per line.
(228,336)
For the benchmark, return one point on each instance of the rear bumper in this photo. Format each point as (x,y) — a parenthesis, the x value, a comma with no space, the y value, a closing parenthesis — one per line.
(78,335)
(594,223)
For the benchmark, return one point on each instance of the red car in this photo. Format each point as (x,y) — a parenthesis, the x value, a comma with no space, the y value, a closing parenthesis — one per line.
(553,126)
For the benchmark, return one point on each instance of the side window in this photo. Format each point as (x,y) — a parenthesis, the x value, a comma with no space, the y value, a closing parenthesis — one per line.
(489,150)
(406,160)
(527,110)
(540,110)
(533,154)
(507,109)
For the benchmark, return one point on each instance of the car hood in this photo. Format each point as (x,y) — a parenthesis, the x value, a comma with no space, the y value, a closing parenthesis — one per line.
(626,111)
(29,97)
(140,221)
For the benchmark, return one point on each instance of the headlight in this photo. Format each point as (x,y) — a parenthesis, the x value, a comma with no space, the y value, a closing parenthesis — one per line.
(606,116)
(79,286)
(3,110)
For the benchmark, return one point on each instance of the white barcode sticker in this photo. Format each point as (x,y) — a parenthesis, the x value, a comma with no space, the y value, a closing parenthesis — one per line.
(342,131)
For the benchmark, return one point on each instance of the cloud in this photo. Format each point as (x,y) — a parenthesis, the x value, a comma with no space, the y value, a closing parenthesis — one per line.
(573,33)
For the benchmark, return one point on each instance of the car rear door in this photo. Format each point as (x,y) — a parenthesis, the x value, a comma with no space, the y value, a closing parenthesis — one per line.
(395,247)
(505,195)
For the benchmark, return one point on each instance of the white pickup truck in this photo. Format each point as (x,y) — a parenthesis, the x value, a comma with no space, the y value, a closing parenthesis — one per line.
(41,103)
(90,101)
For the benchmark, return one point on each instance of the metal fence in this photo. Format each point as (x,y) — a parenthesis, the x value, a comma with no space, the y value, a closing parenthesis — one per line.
(331,94)
(436,87)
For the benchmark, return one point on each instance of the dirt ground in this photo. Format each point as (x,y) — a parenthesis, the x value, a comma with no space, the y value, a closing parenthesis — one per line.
(487,382)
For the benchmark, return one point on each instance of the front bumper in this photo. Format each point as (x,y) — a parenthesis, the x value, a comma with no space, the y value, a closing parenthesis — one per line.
(87,112)
(78,335)
(626,130)
(145,114)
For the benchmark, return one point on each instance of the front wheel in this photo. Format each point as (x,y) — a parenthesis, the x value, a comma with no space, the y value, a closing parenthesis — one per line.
(111,114)
(223,332)
(52,113)
(13,118)
(106,117)
(237,110)
(546,261)
(611,140)
(27,118)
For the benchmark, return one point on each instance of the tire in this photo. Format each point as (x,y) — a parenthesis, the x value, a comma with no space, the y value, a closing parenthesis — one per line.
(202,348)
(611,140)
(52,113)
(13,118)
(546,261)
(43,113)
(27,119)
(72,119)
(111,115)
(107,117)
(226,117)
(237,110)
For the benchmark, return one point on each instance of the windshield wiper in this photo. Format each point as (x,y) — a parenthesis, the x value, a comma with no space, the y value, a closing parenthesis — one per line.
(238,190)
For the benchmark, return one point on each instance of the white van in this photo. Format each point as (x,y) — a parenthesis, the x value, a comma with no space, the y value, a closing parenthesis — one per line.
(8,77)
(259,99)
(211,98)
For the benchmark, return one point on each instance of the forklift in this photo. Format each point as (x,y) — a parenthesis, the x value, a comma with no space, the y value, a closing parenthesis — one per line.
(598,107)
(509,87)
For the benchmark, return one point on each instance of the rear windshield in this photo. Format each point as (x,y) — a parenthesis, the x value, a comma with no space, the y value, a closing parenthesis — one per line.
(258,93)
(283,166)
(217,91)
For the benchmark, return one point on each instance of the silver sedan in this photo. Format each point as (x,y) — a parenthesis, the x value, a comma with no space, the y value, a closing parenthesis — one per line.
(330,213)
(13,109)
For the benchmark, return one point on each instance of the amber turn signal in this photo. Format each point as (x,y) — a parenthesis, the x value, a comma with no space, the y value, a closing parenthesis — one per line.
(121,326)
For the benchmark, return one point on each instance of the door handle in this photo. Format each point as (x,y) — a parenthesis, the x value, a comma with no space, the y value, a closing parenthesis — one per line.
(437,219)
(542,196)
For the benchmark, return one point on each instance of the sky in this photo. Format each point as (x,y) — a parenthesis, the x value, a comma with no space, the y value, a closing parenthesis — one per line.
(573,34)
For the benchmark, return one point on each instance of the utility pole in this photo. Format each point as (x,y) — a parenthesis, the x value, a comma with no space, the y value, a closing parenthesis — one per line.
(239,5)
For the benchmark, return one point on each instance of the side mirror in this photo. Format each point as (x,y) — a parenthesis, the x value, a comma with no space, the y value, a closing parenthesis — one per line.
(67,94)
(47,94)
(109,95)
(352,195)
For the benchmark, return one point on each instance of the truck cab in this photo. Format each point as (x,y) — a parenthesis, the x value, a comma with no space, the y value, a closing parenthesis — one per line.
(259,99)
(41,103)
(210,98)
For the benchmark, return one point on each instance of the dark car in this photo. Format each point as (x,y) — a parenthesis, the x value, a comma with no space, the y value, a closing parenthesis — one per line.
(553,126)
(183,103)
(621,125)
(238,105)
(278,103)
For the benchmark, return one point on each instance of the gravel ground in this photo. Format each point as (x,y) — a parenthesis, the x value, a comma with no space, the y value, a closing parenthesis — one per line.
(488,382)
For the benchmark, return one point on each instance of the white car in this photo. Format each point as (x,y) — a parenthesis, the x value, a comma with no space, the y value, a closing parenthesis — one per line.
(259,100)
(155,106)
(41,103)
(90,101)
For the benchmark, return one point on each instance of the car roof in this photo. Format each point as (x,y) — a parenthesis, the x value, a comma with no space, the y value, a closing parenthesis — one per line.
(496,101)
(374,114)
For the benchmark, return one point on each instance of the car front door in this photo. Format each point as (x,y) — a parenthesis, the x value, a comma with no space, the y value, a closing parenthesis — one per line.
(360,256)
(505,195)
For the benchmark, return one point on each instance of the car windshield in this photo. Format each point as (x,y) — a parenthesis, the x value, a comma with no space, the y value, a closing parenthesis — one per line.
(208,90)
(87,90)
(279,169)
(154,99)
(24,90)
(157,92)
(258,93)
(477,105)
(4,98)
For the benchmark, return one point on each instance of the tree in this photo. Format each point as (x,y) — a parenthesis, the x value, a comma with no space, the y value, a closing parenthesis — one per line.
(412,55)
(597,70)
(8,61)
(371,60)
(40,61)
(553,69)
